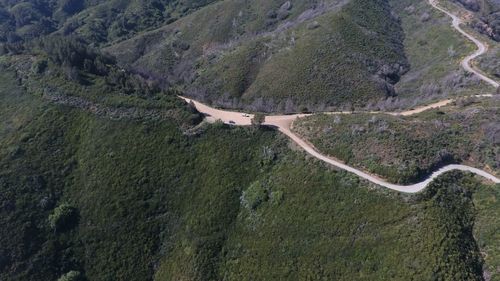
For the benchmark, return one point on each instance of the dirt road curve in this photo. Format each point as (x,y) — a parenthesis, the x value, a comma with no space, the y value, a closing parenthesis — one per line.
(374,179)
(284,123)
(228,117)
(482,48)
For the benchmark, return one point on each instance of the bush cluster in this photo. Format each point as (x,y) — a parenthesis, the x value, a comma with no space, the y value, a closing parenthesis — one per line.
(63,217)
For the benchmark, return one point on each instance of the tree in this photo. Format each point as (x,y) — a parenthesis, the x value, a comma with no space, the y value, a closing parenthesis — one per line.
(255,195)
(258,119)
(72,74)
(72,51)
(71,6)
(71,276)
(63,217)
(39,66)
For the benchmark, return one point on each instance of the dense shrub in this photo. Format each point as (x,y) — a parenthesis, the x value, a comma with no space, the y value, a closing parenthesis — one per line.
(71,276)
(355,57)
(39,66)
(156,203)
(258,119)
(63,218)
(255,194)
(72,52)
(71,6)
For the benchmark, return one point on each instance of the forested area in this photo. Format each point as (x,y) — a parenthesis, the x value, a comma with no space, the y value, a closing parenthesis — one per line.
(96,21)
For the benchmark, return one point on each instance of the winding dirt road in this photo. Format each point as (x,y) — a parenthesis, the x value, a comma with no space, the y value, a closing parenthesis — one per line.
(482,48)
(376,180)
(284,123)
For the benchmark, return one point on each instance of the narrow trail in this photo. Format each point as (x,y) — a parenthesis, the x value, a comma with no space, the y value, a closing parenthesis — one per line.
(284,123)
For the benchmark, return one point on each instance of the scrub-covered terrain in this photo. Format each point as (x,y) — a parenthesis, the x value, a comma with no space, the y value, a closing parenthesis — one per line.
(105,174)
(144,199)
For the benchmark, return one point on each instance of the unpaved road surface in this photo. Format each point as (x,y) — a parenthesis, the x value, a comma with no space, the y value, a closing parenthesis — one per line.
(228,117)
(284,123)
(482,48)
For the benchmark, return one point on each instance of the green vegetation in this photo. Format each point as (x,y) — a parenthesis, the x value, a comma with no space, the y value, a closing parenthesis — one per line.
(352,55)
(252,61)
(106,175)
(405,149)
(254,195)
(63,217)
(337,64)
(487,16)
(71,276)
(487,228)
(133,183)
(194,36)
(319,233)
(97,21)
(434,50)
(155,203)
(484,25)
(65,71)
(258,119)
(261,55)
(489,62)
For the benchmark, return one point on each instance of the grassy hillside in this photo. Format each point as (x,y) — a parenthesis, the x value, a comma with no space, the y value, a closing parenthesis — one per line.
(487,13)
(404,149)
(284,56)
(483,23)
(336,64)
(138,199)
(129,181)
(106,175)
(315,56)
(211,29)
(434,51)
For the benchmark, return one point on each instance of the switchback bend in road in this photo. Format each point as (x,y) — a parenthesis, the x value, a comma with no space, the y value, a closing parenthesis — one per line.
(482,48)
(284,123)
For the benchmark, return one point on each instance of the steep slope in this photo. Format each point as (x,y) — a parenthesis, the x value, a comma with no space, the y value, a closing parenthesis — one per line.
(486,229)
(141,200)
(434,50)
(488,16)
(485,23)
(97,21)
(279,57)
(106,175)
